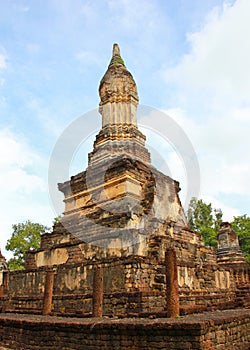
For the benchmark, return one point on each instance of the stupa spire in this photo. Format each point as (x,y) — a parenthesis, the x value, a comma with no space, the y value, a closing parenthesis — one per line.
(119,99)
(1,255)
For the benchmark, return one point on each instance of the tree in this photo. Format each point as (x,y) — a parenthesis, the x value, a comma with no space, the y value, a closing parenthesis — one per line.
(241,226)
(25,236)
(204,219)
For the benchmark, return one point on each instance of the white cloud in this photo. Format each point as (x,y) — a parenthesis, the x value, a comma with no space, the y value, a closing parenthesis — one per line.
(11,151)
(23,192)
(222,146)
(228,211)
(212,97)
(217,66)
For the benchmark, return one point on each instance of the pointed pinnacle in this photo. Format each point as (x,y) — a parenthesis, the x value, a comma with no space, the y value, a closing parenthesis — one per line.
(116,50)
(116,57)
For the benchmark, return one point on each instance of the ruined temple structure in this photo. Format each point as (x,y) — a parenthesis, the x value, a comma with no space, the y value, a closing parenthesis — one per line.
(123,246)
(3,268)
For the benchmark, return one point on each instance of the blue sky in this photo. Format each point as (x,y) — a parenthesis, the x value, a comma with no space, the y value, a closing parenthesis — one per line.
(189,58)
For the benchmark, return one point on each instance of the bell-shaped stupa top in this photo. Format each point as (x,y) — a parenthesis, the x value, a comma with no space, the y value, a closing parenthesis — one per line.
(117,84)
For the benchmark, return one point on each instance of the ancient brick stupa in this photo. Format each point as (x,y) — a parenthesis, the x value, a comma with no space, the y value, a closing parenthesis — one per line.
(121,217)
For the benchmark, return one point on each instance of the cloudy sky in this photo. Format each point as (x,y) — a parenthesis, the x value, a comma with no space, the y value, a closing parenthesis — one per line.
(190,59)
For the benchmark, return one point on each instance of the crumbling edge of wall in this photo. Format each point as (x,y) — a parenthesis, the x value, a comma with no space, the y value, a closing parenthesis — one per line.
(228,329)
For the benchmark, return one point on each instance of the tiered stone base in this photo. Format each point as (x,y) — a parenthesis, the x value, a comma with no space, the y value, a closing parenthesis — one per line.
(210,331)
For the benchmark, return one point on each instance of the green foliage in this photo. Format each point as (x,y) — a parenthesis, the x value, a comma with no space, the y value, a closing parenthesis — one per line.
(217,219)
(204,219)
(118,60)
(15,264)
(241,225)
(25,236)
(57,219)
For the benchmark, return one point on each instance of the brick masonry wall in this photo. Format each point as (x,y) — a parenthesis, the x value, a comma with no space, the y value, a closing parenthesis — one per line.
(210,331)
(132,285)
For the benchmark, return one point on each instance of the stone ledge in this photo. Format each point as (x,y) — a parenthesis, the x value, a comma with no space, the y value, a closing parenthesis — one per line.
(207,331)
(197,319)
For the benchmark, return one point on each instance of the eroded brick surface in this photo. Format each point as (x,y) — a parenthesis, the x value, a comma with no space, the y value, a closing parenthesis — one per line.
(209,331)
